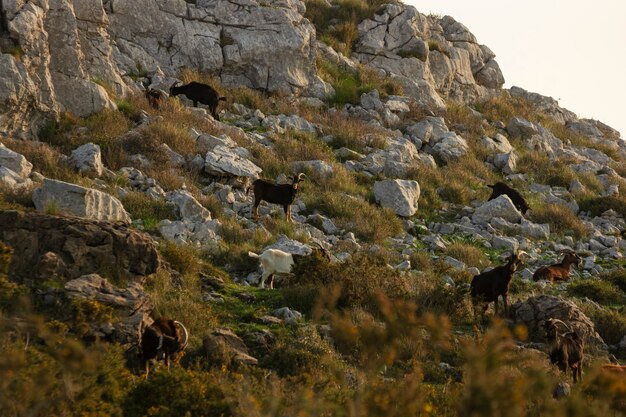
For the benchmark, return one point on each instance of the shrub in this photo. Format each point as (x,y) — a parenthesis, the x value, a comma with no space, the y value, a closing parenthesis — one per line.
(151,211)
(609,322)
(183,258)
(467,253)
(598,205)
(178,392)
(598,290)
(560,218)
(544,171)
(616,277)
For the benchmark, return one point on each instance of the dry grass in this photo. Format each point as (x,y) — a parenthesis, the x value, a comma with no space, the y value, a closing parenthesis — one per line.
(544,171)
(504,108)
(468,254)
(560,218)
(351,133)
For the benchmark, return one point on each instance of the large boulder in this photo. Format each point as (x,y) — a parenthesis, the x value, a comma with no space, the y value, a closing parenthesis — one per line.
(75,200)
(131,306)
(501,207)
(70,247)
(399,195)
(536,310)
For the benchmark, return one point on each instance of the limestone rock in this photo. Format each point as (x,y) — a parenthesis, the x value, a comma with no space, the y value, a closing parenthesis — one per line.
(506,162)
(78,201)
(318,167)
(224,347)
(71,247)
(399,195)
(499,207)
(519,127)
(223,161)
(87,159)
(189,209)
(450,147)
(15,162)
(13,181)
(498,144)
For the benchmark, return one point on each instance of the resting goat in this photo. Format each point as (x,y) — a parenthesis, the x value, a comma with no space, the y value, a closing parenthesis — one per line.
(501,188)
(155,97)
(488,286)
(283,194)
(566,350)
(199,93)
(560,271)
(161,340)
(276,261)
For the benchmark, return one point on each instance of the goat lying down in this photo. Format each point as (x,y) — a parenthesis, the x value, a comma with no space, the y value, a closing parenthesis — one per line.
(276,261)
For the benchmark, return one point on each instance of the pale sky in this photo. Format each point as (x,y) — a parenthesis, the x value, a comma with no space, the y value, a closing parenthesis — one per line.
(571,50)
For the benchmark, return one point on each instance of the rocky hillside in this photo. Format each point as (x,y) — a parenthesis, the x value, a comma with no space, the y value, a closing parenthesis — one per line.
(114,212)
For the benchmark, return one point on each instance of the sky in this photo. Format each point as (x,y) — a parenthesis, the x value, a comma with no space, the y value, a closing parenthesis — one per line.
(571,50)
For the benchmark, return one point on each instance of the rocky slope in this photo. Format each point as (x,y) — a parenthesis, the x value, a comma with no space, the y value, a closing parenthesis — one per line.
(120,211)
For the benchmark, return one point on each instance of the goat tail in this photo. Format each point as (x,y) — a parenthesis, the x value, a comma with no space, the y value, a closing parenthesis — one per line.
(222,98)
(252,254)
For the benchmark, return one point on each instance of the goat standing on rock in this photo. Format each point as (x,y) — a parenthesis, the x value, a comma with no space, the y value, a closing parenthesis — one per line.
(560,271)
(161,340)
(501,188)
(199,93)
(283,194)
(488,286)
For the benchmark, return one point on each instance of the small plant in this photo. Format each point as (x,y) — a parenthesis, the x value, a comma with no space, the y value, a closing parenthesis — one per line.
(125,107)
(561,219)
(598,290)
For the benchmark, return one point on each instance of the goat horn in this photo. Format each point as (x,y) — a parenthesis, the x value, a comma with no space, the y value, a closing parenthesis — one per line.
(521,254)
(562,322)
(186,335)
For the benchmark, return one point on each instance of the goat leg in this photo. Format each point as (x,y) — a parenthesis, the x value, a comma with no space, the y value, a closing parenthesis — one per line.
(506,304)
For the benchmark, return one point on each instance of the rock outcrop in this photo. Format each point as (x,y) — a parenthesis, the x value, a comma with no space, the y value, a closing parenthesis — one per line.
(72,199)
(70,49)
(534,311)
(68,247)
(399,195)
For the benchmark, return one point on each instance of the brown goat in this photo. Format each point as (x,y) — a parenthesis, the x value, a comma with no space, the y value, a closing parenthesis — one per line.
(161,340)
(616,369)
(486,287)
(155,97)
(283,194)
(560,271)
(566,349)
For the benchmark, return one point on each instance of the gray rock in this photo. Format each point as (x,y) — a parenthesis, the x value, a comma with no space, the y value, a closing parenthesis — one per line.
(509,243)
(535,231)
(450,147)
(399,195)
(290,246)
(499,144)
(15,162)
(287,314)
(13,181)
(206,143)
(189,209)
(498,207)
(87,159)
(506,162)
(561,390)
(223,161)
(224,347)
(319,167)
(371,101)
(519,127)
(78,201)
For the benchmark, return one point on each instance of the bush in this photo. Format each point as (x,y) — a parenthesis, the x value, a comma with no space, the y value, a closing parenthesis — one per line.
(598,205)
(560,218)
(610,323)
(616,277)
(182,258)
(151,211)
(467,253)
(178,392)
(598,290)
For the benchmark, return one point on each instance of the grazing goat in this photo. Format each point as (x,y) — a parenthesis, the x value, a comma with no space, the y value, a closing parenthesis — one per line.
(155,97)
(501,188)
(283,194)
(161,340)
(560,271)
(566,350)
(488,286)
(276,261)
(199,93)
(615,369)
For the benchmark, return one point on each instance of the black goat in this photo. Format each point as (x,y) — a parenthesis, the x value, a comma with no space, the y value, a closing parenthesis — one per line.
(488,286)
(199,93)
(501,188)
(283,194)
(155,97)
(566,349)
(161,340)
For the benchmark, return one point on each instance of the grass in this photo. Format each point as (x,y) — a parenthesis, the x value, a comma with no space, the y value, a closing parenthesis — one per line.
(601,291)
(468,254)
(151,211)
(561,219)
(598,205)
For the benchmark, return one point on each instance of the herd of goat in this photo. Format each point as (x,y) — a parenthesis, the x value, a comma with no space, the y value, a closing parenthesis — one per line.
(163,339)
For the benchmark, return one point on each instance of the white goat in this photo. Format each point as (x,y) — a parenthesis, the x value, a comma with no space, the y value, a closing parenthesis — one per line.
(273,261)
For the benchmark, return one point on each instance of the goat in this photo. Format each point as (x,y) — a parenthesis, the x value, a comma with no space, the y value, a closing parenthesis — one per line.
(566,349)
(615,369)
(276,261)
(501,188)
(161,340)
(155,97)
(488,286)
(199,93)
(283,194)
(560,271)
